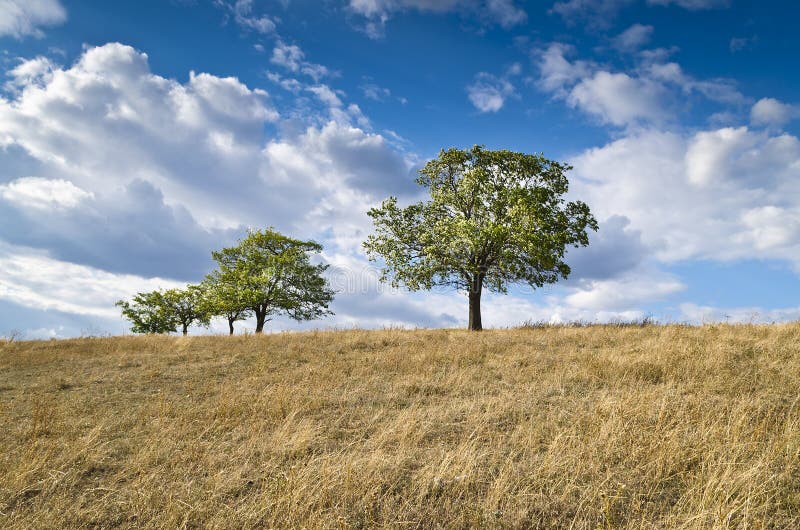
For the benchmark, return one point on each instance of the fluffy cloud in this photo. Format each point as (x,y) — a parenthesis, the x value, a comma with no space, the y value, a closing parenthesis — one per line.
(770,111)
(722,194)
(378,12)
(619,99)
(614,250)
(19,18)
(488,93)
(36,193)
(190,158)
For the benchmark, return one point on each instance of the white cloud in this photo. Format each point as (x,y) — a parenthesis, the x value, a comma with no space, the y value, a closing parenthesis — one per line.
(557,73)
(488,93)
(326,95)
(625,293)
(618,98)
(32,279)
(109,116)
(505,12)
(710,154)
(291,57)
(42,194)
(770,111)
(634,37)
(647,94)
(20,18)
(287,83)
(33,72)
(243,14)
(722,195)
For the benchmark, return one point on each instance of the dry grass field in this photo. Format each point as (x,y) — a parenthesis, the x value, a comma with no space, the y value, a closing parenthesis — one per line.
(595,427)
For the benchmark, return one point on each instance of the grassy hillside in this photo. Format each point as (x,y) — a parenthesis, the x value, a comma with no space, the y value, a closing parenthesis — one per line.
(665,427)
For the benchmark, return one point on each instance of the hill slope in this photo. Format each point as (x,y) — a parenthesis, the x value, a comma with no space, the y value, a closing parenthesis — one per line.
(563,427)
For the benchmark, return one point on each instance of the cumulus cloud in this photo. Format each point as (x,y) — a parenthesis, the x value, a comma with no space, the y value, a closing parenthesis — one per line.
(615,249)
(770,111)
(20,18)
(722,194)
(378,12)
(619,99)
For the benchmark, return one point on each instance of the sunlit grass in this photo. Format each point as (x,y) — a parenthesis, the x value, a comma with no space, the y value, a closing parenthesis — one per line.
(610,427)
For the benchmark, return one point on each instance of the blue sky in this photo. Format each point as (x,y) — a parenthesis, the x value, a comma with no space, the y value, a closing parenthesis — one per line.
(136,137)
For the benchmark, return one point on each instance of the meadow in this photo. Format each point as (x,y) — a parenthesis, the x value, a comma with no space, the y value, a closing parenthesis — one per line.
(539,427)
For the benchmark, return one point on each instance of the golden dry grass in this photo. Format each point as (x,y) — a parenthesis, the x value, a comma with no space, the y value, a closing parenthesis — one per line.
(597,427)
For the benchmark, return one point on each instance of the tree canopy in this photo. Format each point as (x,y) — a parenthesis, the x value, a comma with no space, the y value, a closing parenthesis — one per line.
(494,218)
(272,274)
(148,312)
(224,299)
(163,311)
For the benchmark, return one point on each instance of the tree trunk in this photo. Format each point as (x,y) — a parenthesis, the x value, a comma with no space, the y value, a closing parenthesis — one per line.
(261,317)
(185,329)
(475,309)
(230,325)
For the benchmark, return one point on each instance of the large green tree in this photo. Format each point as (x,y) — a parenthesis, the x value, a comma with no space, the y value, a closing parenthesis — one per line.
(273,274)
(494,218)
(149,312)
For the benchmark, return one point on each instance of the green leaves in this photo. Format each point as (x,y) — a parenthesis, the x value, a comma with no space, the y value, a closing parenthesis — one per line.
(493,218)
(268,273)
(164,311)
(149,312)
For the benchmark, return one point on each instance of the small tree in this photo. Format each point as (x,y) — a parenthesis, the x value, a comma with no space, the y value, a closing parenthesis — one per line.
(493,218)
(149,312)
(273,274)
(225,300)
(188,306)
